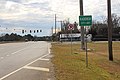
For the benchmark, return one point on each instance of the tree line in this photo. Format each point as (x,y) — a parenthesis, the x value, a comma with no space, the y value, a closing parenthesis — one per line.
(28,37)
(99,30)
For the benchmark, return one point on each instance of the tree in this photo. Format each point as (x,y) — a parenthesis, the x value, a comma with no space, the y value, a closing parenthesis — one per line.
(93,32)
(102,28)
(6,37)
(14,37)
(115,21)
(29,37)
(76,27)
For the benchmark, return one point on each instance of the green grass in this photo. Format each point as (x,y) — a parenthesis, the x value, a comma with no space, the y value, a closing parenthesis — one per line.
(72,66)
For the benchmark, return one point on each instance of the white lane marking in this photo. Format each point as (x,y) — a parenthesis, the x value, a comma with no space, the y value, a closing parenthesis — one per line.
(2,58)
(38,59)
(22,67)
(45,59)
(7,55)
(36,68)
(19,50)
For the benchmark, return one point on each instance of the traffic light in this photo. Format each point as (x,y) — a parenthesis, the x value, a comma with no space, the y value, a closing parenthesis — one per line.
(37,31)
(34,31)
(23,31)
(30,31)
(40,30)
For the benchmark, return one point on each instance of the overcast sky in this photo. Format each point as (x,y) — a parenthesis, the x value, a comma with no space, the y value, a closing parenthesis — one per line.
(39,14)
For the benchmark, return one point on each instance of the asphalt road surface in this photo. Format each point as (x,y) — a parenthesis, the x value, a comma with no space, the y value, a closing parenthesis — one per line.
(25,61)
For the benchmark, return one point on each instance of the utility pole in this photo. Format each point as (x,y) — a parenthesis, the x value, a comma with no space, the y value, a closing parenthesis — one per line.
(52,30)
(61,23)
(52,34)
(68,20)
(82,27)
(109,31)
(55,23)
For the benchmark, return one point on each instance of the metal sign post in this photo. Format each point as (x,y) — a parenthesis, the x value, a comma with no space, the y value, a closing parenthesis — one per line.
(71,41)
(85,21)
(86,48)
(71,27)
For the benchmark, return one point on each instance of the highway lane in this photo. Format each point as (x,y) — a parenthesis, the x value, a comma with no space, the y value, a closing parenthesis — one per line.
(16,55)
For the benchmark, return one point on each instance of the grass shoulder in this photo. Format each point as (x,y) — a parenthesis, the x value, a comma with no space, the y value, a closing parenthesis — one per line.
(72,66)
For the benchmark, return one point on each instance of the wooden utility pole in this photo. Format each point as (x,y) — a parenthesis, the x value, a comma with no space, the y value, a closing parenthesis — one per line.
(61,23)
(52,30)
(109,31)
(82,27)
(55,23)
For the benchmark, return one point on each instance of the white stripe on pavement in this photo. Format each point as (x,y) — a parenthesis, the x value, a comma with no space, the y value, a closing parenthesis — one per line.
(7,55)
(2,58)
(45,59)
(20,50)
(36,68)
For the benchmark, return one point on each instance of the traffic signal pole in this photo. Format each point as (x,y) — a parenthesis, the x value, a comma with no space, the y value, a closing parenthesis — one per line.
(82,27)
(109,31)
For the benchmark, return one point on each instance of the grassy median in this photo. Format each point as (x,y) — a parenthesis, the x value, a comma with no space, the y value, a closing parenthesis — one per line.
(72,66)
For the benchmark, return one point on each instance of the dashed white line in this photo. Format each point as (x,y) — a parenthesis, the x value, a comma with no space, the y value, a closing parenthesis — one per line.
(12,53)
(19,50)
(1,57)
(7,55)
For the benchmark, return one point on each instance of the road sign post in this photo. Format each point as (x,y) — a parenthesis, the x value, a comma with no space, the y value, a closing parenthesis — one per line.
(71,27)
(85,21)
(71,41)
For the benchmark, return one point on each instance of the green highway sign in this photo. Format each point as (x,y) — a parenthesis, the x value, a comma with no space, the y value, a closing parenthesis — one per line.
(85,20)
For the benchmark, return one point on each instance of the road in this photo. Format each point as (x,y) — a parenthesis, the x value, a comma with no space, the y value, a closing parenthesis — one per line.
(24,61)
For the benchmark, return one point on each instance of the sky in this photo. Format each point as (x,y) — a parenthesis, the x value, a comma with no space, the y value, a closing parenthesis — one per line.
(18,15)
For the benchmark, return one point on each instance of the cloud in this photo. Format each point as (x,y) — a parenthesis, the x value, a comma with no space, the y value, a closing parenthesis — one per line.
(38,9)
(37,12)
(12,11)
